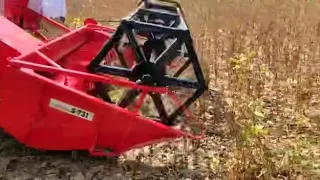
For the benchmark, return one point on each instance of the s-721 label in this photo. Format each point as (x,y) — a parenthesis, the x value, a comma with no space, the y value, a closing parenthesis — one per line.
(67,108)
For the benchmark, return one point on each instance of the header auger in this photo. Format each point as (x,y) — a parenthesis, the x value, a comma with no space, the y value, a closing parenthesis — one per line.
(92,88)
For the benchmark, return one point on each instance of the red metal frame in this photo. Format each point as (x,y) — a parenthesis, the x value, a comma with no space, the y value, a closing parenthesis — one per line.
(114,81)
(26,97)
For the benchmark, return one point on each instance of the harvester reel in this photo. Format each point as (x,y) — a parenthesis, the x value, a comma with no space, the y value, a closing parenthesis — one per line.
(157,36)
